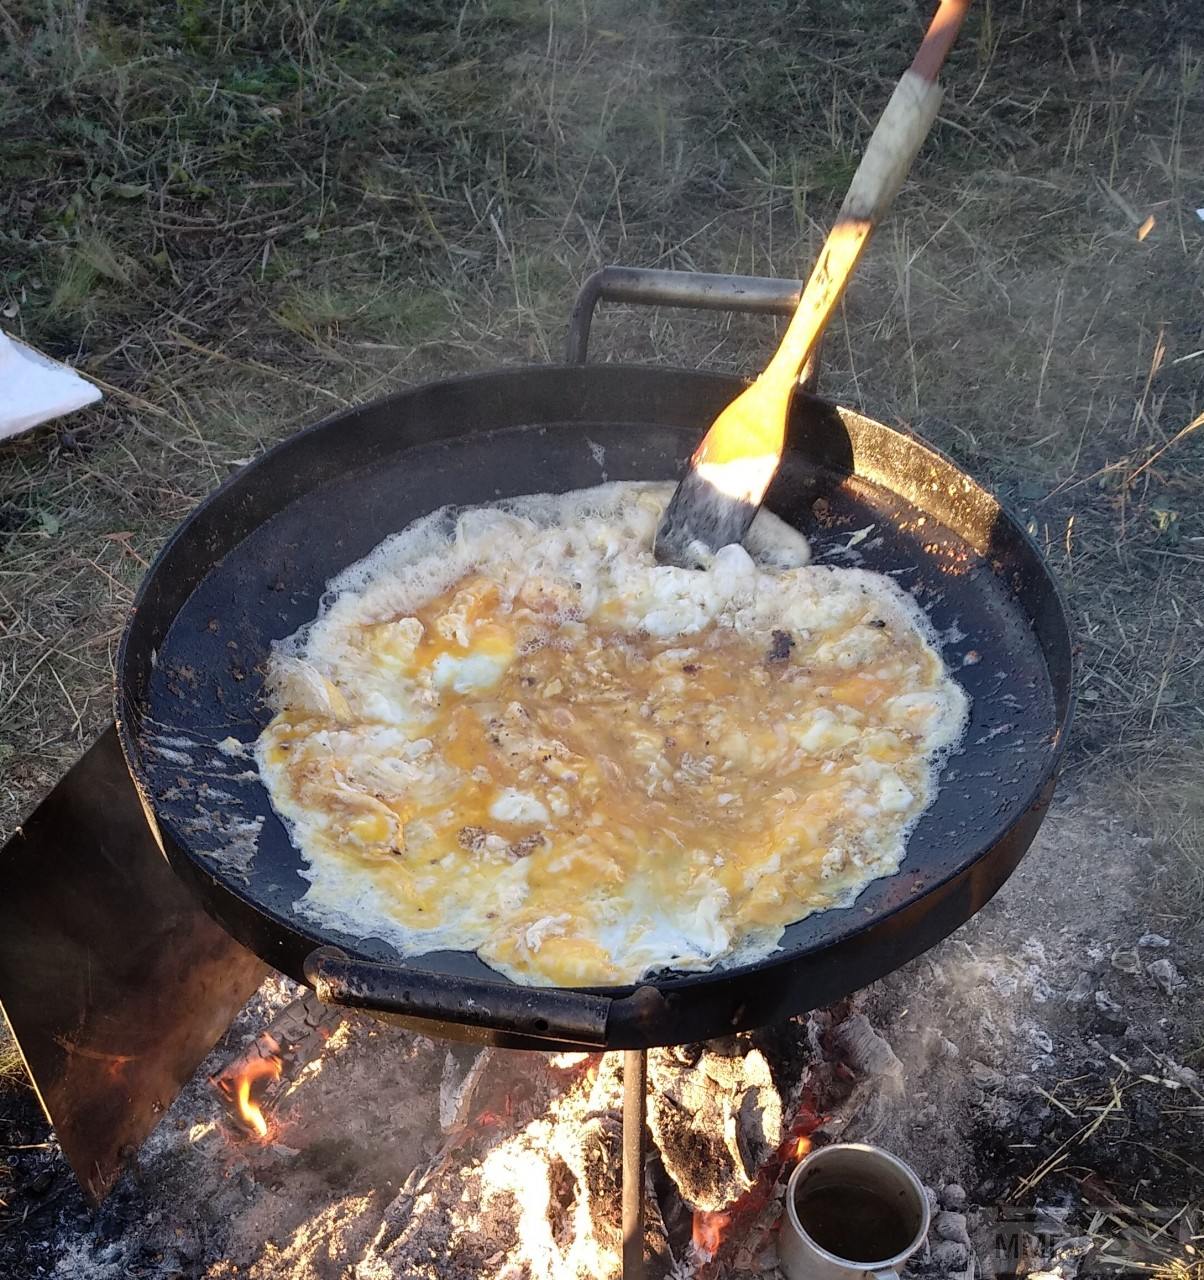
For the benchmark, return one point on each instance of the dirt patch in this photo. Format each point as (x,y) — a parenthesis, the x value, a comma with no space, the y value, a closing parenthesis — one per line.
(1048,1046)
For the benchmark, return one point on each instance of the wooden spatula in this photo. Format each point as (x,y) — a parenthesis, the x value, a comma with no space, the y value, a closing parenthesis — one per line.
(730,470)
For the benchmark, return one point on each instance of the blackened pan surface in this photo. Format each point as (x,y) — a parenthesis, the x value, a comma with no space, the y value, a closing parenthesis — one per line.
(251,563)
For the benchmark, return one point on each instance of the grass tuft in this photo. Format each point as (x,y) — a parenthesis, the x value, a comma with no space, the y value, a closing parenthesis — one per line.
(12,1067)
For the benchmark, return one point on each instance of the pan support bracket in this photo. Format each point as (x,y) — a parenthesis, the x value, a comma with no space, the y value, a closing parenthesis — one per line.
(635,1147)
(690,290)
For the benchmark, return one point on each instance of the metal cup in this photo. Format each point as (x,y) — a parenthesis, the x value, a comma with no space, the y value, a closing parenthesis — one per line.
(852,1212)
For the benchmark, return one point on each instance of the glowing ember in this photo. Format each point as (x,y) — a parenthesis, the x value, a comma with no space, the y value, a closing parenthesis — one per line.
(723,1230)
(567,1061)
(248,1109)
(709,1230)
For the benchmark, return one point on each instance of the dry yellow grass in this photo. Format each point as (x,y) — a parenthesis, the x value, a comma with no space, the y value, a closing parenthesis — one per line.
(12,1069)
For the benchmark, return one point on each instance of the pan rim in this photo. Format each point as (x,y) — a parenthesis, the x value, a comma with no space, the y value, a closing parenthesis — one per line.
(1063,700)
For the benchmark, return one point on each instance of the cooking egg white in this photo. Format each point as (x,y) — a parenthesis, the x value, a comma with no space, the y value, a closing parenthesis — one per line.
(509,730)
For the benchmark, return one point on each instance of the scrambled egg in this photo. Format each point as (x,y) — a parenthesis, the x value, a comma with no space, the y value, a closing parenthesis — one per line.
(510,731)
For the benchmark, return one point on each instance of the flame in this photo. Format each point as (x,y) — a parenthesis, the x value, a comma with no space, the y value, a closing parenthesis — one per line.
(250,1111)
(567,1061)
(802,1147)
(1146,227)
(708,1231)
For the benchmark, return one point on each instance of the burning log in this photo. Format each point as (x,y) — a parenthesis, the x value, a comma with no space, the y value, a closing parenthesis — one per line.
(458,1085)
(255,1079)
(528,1169)
(847,1069)
(716,1115)
(745,1225)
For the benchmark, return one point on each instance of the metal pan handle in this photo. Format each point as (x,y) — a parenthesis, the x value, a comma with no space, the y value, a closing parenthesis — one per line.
(541,1013)
(657,287)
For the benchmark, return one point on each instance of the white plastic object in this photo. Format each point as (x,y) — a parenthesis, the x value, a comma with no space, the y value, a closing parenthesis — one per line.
(35,389)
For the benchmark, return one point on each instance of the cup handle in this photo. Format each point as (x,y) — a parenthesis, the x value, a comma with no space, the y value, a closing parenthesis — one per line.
(886,1275)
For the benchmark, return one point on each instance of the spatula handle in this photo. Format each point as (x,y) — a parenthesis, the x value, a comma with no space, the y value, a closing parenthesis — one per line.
(892,148)
(939,38)
(906,121)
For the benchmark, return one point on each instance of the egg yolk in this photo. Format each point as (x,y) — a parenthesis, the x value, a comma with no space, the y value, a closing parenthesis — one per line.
(580,795)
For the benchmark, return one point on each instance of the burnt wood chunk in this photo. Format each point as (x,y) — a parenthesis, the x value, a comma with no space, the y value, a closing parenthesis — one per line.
(780,645)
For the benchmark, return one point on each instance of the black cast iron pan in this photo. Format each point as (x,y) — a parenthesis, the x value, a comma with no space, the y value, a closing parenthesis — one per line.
(249,566)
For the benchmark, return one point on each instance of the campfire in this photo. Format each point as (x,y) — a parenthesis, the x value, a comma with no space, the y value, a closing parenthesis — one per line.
(521,1171)
(319,1142)
(537,1166)
(258,1076)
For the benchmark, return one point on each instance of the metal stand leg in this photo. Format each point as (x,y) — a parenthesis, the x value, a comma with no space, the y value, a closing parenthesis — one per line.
(635,1108)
